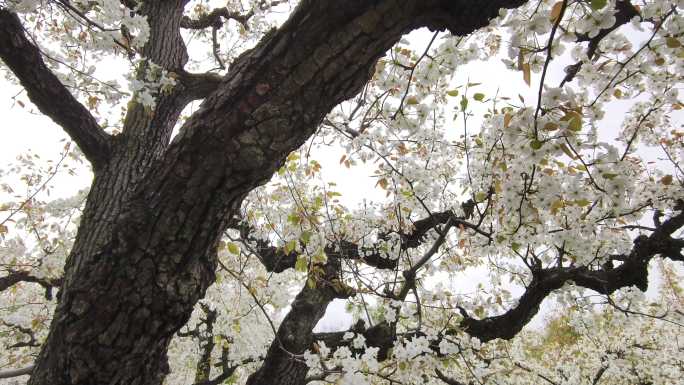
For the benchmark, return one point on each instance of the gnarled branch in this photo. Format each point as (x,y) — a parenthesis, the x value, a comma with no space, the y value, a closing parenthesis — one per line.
(48,93)
(625,11)
(275,259)
(16,372)
(199,86)
(13,277)
(605,280)
(215,19)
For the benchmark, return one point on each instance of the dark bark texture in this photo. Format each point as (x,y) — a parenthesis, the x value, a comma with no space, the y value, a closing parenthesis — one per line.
(145,252)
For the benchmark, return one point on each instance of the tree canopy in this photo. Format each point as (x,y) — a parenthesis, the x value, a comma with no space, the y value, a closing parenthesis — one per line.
(255,166)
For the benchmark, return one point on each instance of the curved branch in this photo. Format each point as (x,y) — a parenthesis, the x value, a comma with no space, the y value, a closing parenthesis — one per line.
(605,280)
(445,379)
(32,342)
(277,260)
(381,335)
(199,86)
(215,19)
(16,372)
(625,11)
(295,333)
(48,93)
(15,277)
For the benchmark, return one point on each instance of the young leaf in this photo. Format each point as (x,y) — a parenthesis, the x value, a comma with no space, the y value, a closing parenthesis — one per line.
(302,264)
(555,11)
(598,4)
(411,100)
(574,120)
(233,248)
(290,246)
(527,75)
(672,42)
(305,237)
(507,120)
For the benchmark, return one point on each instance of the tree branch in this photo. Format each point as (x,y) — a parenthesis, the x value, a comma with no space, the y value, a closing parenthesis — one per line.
(215,19)
(32,342)
(625,11)
(199,86)
(16,372)
(381,335)
(295,334)
(48,93)
(447,380)
(14,277)
(275,259)
(605,280)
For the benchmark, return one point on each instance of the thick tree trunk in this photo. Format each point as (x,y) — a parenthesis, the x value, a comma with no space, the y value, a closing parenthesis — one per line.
(146,247)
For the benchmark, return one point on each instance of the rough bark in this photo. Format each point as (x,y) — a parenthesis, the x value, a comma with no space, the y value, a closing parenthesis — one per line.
(146,247)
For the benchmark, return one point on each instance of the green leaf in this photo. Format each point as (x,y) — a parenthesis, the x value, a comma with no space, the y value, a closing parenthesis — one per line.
(452,93)
(305,237)
(233,248)
(290,246)
(609,175)
(479,96)
(464,103)
(557,205)
(583,202)
(536,145)
(672,42)
(294,219)
(302,264)
(480,196)
(574,120)
(567,151)
(598,4)
(515,246)
(320,257)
